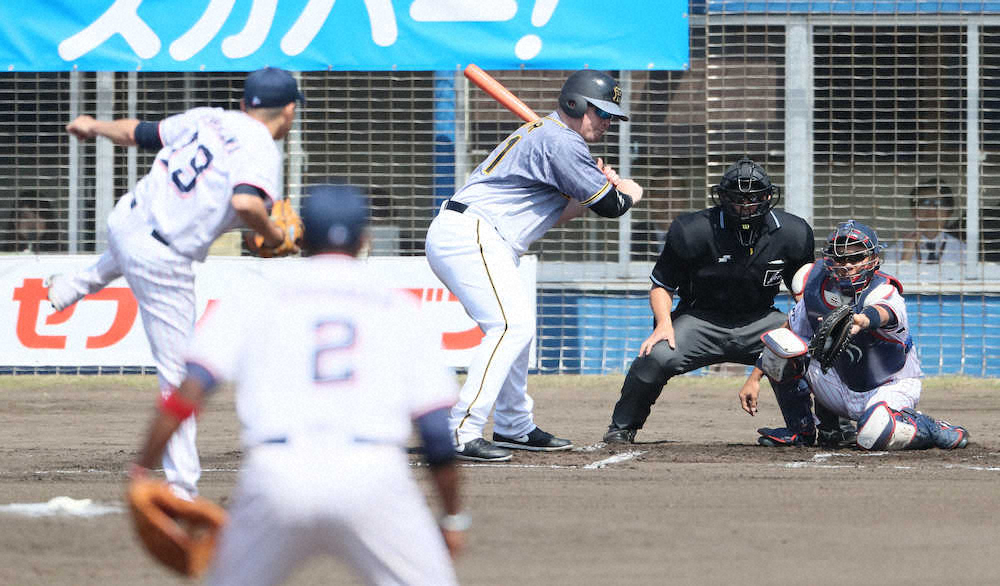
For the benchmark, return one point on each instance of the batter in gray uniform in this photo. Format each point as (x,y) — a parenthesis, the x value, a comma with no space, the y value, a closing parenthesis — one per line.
(539,176)
(725,264)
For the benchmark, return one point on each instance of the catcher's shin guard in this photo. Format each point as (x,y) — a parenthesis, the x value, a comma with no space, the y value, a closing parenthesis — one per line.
(884,428)
(795,401)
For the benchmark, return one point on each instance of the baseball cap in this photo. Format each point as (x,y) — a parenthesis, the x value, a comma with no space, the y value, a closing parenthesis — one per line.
(334,216)
(270,88)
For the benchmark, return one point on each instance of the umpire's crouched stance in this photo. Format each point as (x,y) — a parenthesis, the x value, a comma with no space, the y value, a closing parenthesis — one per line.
(725,264)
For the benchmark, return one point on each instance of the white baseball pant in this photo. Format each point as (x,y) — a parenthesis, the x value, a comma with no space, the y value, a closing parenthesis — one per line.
(480,268)
(309,497)
(163,284)
(832,392)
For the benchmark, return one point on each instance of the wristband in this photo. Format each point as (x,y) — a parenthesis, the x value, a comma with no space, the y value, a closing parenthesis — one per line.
(178,406)
(456,522)
(874,318)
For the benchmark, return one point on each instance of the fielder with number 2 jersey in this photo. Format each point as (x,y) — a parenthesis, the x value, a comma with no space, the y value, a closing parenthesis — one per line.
(541,175)
(324,420)
(875,380)
(214,170)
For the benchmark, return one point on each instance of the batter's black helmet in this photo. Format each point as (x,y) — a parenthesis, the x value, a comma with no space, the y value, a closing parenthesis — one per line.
(745,191)
(593,87)
(333,217)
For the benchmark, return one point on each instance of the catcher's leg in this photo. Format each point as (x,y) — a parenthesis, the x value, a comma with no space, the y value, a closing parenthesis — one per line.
(833,430)
(883,428)
(795,401)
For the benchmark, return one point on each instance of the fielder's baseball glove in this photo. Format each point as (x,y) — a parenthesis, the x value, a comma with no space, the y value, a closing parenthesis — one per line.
(832,336)
(179,533)
(284,215)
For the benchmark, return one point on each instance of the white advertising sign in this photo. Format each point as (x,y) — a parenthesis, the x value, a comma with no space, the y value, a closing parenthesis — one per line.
(105,329)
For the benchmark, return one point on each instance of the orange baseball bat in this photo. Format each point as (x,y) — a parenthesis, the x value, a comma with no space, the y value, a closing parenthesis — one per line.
(499,93)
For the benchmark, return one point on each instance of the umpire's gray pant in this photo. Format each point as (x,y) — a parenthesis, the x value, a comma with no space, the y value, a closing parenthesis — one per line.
(699,343)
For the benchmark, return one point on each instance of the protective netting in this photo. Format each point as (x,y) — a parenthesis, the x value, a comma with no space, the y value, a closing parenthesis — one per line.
(852,115)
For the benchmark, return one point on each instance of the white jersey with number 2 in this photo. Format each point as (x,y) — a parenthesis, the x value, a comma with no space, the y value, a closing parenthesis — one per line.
(330,367)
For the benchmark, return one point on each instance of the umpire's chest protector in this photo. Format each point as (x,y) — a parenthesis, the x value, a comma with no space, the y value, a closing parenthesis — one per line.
(870,360)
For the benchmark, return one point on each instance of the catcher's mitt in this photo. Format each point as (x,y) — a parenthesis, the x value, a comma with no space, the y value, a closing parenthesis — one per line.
(832,336)
(179,533)
(284,215)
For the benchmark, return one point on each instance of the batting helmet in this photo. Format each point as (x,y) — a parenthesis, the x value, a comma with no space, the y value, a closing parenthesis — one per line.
(745,191)
(333,217)
(852,255)
(591,87)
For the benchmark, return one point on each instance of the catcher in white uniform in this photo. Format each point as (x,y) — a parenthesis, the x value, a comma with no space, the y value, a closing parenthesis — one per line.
(215,170)
(540,175)
(874,380)
(324,420)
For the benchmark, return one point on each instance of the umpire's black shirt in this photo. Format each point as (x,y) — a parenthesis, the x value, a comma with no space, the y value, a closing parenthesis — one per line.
(722,281)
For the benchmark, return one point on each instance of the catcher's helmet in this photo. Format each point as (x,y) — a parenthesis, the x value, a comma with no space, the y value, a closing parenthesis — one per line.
(852,255)
(588,86)
(745,191)
(333,217)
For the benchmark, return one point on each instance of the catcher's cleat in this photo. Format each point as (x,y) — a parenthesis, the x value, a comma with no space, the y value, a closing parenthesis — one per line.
(616,435)
(951,437)
(480,450)
(836,439)
(536,441)
(781,437)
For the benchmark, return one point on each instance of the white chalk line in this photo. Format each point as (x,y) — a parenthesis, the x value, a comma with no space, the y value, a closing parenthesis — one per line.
(616,459)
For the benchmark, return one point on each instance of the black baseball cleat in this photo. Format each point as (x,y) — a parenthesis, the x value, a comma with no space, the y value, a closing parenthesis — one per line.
(781,437)
(617,435)
(835,439)
(480,450)
(536,441)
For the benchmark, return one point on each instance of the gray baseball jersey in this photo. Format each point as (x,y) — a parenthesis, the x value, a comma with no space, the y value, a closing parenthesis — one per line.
(524,185)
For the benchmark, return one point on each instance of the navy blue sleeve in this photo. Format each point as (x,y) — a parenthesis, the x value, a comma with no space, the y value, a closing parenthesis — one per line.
(147,136)
(435,436)
(202,375)
(251,189)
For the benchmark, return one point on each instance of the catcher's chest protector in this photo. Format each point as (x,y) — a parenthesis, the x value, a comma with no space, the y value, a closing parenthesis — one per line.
(869,361)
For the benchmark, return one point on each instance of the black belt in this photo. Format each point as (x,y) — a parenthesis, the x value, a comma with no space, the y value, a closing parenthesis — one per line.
(456,206)
(160,237)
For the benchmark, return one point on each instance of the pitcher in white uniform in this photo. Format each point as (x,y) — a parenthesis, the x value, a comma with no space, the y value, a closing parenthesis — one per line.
(215,170)
(541,175)
(325,418)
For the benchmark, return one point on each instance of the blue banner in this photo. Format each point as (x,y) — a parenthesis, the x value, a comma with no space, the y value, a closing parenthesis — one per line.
(365,35)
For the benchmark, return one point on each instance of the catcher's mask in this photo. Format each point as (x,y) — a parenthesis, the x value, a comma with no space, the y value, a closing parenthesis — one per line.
(852,256)
(596,88)
(745,191)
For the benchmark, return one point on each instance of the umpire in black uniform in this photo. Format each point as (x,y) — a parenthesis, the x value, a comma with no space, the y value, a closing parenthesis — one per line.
(725,264)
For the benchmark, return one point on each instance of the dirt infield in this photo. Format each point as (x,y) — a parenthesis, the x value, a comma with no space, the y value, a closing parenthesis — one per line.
(694,502)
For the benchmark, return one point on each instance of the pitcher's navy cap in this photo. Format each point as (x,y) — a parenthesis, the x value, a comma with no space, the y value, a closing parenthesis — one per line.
(334,216)
(270,88)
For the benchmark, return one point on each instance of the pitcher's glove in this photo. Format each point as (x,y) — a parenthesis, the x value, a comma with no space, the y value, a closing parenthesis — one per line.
(284,215)
(832,336)
(179,533)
